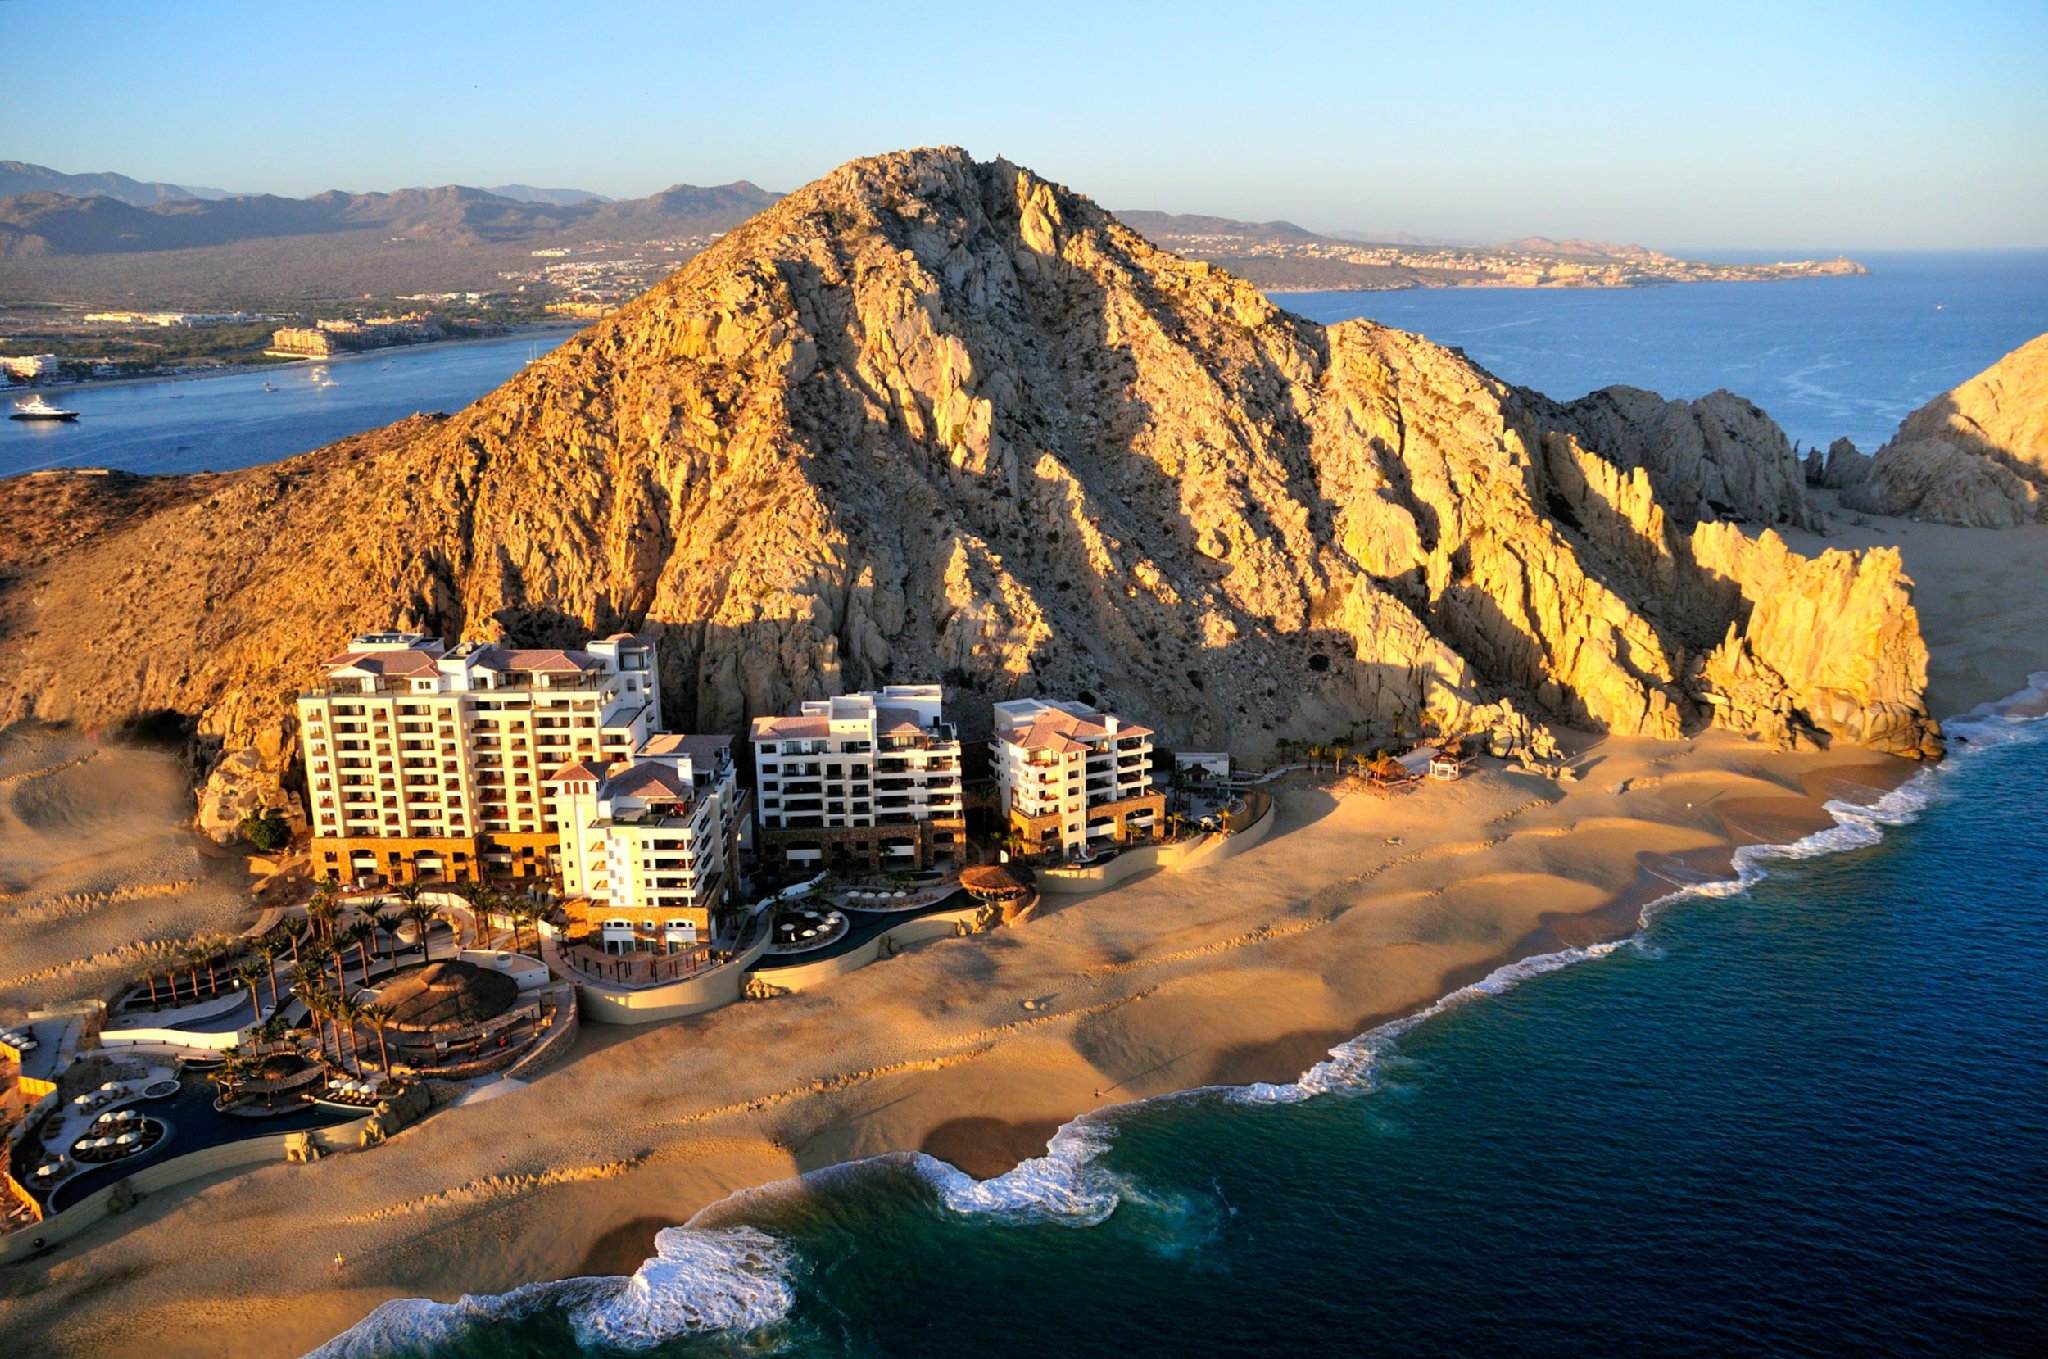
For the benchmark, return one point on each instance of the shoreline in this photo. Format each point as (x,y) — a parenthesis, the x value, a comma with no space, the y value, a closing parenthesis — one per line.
(457,1215)
(514,332)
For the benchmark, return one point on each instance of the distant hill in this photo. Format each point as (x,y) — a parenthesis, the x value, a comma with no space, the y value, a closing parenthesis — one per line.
(526,193)
(1575,248)
(19,176)
(1162,225)
(49,223)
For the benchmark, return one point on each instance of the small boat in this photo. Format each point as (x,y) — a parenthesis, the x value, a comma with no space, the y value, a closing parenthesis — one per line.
(269,386)
(35,408)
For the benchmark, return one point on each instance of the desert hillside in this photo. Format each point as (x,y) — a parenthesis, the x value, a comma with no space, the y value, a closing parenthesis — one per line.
(931,416)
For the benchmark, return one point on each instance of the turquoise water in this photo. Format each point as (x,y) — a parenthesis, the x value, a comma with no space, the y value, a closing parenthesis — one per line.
(1805,1117)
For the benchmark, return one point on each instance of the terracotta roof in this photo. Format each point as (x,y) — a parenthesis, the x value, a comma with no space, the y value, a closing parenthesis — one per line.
(703,750)
(1060,731)
(648,781)
(789,728)
(556,662)
(389,663)
(580,769)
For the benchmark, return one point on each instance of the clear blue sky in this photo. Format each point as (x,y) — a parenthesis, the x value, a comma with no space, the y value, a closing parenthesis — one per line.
(1732,124)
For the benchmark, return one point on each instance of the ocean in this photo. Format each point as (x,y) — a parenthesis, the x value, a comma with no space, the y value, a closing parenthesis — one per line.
(216,424)
(1801,1113)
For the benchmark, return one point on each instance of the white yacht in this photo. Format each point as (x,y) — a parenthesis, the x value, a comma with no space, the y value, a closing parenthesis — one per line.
(35,408)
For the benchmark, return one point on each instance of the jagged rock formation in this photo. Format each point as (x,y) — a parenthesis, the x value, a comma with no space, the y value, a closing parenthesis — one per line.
(1842,466)
(1715,458)
(930,416)
(1977,455)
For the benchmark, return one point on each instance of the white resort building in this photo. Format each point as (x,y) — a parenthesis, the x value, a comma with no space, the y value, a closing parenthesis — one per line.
(427,762)
(872,777)
(650,844)
(1070,777)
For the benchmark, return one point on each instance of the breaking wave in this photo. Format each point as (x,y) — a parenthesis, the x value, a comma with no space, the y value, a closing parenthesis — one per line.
(729,1280)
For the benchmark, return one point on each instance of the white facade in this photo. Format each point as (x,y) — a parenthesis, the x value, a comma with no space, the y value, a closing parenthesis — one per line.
(652,834)
(24,367)
(1059,765)
(411,741)
(866,760)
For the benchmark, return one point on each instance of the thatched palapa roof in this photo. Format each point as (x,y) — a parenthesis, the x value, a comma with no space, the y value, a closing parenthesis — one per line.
(997,882)
(450,994)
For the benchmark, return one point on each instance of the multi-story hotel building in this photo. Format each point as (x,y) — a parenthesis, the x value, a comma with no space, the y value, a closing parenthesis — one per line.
(426,762)
(650,844)
(1071,777)
(872,777)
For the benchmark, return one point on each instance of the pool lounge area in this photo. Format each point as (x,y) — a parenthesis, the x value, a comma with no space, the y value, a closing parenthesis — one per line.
(194,1125)
(862,927)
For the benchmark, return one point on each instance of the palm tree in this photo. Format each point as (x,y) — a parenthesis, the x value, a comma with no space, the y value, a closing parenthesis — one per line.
(307,981)
(265,949)
(421,916)
(272,1032)
(150,977)
(320,1002)
(361,933)
(322,911)
(250,974)
(483,901)
(229,1074)
(387,921)
(346,1013)
(378,1017)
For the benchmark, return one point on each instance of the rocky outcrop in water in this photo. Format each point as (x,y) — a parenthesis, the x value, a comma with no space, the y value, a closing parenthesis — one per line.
(934,417)
(1976,456)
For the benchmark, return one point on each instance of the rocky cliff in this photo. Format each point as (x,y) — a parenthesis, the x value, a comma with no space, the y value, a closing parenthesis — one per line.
(934,417)
(1715,458)
(1977,455)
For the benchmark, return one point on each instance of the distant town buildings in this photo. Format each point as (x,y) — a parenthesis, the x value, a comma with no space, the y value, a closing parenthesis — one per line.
(1070,777)
(428,762)
(326,338)
(172,319)
(870,777)
(28,367)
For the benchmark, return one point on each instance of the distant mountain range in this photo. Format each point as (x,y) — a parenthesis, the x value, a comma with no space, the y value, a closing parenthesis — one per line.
(47,222)
(110,237)
(19,176)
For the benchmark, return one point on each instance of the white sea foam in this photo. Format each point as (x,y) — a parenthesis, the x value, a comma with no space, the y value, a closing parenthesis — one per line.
(1064,1186)
(731,1280)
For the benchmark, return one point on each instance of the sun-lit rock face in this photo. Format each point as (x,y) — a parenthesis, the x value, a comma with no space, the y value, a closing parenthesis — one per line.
(931,417)
(1976,456)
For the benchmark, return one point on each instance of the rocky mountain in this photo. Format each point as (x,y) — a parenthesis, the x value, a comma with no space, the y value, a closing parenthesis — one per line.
(932,417)
(19,176)
(47,224)
(1977,455)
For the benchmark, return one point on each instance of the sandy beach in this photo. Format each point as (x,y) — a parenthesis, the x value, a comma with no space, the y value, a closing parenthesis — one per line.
(1357,909)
